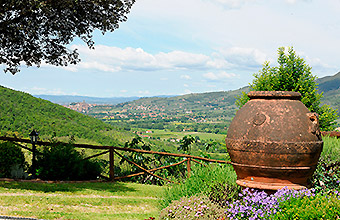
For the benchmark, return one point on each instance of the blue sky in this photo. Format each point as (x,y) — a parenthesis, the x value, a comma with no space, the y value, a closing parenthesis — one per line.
(174,47)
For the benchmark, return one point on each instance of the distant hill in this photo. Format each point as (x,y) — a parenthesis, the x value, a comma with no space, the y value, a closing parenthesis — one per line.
(21,112)
(206,112)
(203,112)
(329,83)
(68,99)
(204,102)
(330,86)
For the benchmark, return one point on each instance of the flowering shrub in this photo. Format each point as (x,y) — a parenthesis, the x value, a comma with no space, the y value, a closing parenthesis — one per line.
(195,207)
(320,206)
(259,205)
(327,175)
(252,204)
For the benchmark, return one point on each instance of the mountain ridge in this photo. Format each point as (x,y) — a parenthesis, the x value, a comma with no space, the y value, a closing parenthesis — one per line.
(325,84)
(68,99)
(204,112)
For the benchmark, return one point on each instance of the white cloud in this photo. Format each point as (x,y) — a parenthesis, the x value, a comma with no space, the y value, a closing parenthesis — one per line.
(114,59)
(123,91)
(185,85)
(144,93)
(219,62)
(71,68)
(187,91)
(185,77)
(244,57)
(181,59)
(99,66)
(292,2)
(231,4)
(219,76)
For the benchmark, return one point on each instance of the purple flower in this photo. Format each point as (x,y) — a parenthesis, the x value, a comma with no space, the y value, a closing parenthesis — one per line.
(259,205)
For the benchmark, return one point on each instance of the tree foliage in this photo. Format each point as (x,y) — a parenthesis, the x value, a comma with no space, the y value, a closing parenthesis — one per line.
(185,143)
(64,162)
(33,31)
(292,74)
(10,156)
(21,112)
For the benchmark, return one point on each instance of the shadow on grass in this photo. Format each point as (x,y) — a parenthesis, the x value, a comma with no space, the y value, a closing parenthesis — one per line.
(67,187)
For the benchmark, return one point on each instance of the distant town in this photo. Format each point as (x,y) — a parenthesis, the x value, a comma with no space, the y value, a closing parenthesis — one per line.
(81,107)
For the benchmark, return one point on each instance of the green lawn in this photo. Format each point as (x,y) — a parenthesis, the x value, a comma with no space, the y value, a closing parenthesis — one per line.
(79,200)
(164,134)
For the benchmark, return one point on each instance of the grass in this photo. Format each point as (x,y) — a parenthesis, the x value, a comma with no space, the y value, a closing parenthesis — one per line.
(202,180)
(112,200)
(79,200)
(165,134)
(331,148)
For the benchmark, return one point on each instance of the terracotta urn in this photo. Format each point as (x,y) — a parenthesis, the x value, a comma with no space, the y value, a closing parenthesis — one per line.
(274,141)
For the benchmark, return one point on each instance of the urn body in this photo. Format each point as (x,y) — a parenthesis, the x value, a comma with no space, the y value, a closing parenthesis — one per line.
(274,141)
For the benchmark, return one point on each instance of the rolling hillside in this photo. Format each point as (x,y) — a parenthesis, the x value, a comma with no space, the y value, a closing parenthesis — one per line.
(205,112)
(329,83)
(330,86)
(21,112)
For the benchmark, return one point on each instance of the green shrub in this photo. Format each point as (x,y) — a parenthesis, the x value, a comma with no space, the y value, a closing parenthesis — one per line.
(221,193)
(327,175)
(202,180)
(11,157)
(315,207)
(293,74)
(194,207)
(64,162)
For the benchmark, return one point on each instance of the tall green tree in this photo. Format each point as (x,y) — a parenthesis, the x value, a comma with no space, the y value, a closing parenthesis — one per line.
(292,74)
(33,31)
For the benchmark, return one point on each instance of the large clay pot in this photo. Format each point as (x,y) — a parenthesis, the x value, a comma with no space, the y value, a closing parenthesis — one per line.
(274,141)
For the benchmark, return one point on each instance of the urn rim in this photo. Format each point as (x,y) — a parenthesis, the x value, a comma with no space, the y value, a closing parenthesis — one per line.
(274,95)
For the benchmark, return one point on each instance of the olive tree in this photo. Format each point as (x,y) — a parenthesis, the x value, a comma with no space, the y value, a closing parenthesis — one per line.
(292,74)
(33,31)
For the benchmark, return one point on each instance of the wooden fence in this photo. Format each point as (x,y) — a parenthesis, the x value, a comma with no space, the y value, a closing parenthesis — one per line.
(331,133)
(112,151)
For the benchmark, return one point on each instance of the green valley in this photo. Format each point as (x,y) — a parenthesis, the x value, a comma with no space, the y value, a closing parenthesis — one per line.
(205,112)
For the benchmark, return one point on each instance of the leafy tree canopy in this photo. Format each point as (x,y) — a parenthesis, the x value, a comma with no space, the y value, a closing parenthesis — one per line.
(292,74)
(33,31)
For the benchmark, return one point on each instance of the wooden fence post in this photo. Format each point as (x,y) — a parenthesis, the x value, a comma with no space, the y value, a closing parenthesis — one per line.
(112,171)
(189,166)
(34,159)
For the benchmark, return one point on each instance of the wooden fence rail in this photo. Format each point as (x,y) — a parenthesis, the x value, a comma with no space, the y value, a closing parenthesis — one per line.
(111,150)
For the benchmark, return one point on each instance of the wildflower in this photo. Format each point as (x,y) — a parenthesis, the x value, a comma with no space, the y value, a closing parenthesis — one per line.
(260,205)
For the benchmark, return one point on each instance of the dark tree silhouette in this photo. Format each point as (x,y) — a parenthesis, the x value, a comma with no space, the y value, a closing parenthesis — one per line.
(32,31)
